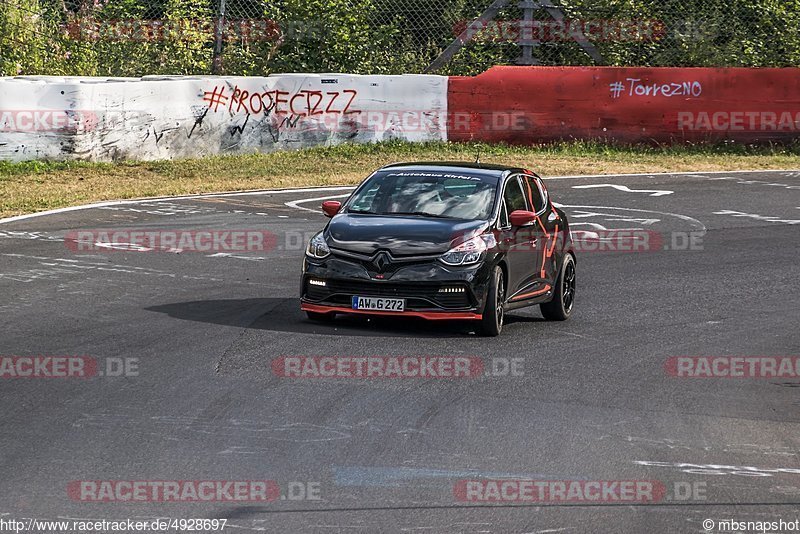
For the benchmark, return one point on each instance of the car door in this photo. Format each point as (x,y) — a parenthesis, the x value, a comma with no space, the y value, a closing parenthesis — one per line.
(515,240)
(548,225)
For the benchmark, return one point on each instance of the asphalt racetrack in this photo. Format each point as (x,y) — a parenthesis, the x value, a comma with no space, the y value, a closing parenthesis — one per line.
(590,399)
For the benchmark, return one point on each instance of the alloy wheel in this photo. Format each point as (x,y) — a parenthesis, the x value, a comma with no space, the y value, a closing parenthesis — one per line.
(568,291)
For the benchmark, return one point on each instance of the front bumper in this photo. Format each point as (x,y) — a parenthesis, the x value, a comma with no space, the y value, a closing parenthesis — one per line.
(430,315)
(431,290)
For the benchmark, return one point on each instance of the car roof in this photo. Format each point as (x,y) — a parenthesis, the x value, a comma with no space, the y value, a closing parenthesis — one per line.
(488,169)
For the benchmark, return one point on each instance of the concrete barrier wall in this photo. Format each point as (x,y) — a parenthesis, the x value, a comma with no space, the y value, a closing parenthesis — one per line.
(538,104)
(175,117)
(36,120)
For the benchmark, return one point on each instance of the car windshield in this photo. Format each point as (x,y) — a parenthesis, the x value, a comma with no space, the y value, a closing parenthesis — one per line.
(440,194)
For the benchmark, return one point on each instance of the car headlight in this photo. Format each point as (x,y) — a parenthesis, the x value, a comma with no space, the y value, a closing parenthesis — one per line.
(317,247)
(469,252)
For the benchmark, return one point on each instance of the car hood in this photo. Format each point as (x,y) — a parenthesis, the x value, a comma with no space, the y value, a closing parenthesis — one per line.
(401,235)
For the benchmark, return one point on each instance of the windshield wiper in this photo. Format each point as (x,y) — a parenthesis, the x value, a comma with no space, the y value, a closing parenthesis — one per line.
(364,212)
(420,213)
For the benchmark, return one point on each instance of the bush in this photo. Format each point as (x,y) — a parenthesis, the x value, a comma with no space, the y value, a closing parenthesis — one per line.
(380,36)
(332,36)
(23,40)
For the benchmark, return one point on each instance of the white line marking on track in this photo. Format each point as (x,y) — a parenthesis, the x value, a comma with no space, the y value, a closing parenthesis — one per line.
(625,188)
(168,199)
(757,217)
(344,188)
(698,174)
(228,255)
(678,215)
(715,469)
(70,266)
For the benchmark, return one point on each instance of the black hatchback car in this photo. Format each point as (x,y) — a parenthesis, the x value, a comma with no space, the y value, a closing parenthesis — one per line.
(442,241)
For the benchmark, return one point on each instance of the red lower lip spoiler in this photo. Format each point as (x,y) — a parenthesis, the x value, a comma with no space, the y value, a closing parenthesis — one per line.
(434,316)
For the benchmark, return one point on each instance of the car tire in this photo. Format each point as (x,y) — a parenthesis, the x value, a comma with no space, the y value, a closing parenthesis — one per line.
(493,311)
(320,317)
(560,308)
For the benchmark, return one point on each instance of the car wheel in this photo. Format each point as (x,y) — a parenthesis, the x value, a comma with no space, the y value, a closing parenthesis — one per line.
(493,312)
(560,308)
(321,317)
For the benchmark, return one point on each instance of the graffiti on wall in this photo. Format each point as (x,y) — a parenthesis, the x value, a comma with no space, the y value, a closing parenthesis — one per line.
(155,118)
(303,103)
(637,87)
(277,110)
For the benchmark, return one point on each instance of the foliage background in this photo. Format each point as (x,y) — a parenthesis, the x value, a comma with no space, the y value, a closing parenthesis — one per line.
(378,36)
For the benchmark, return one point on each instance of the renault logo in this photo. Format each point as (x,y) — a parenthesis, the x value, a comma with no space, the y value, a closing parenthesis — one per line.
(380,261)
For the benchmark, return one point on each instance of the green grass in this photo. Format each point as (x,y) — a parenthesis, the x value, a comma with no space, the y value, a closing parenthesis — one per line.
(34,186)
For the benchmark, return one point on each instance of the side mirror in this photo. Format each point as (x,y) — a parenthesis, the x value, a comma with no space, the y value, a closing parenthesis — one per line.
(522,217)
(331,207)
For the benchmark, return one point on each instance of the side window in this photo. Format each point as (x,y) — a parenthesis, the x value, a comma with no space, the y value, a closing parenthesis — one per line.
(534,193)
(513,196)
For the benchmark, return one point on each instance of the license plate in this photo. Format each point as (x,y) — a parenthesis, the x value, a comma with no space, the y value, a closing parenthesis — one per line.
(379,304)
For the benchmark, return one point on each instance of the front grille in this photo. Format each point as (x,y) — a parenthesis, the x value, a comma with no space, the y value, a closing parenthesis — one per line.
(392,265)
(417,295)
(381,289)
